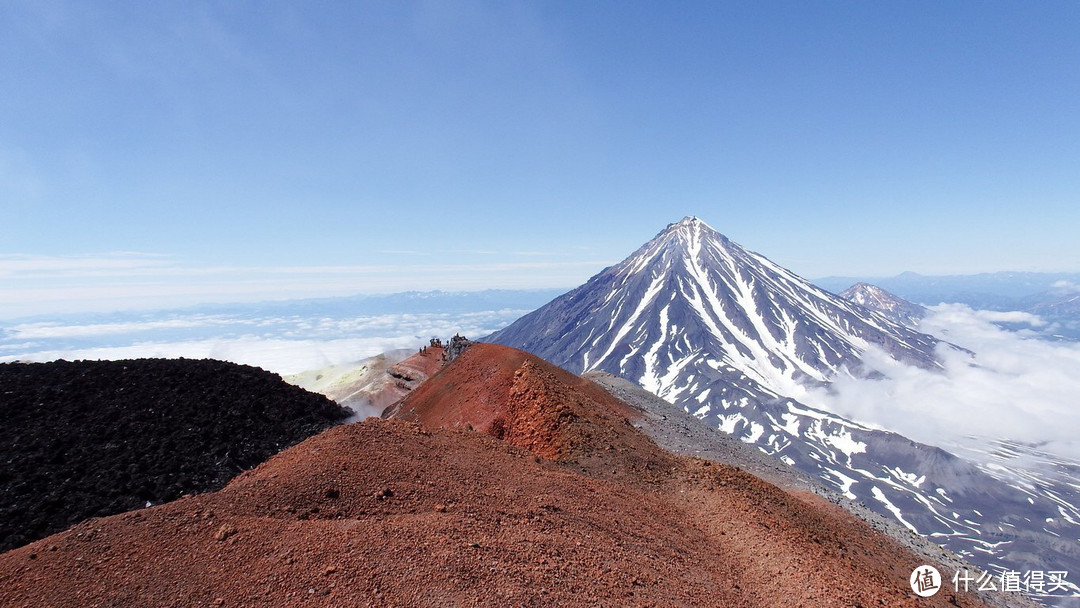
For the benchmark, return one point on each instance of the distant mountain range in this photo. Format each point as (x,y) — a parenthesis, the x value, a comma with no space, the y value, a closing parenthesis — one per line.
(987,291)
(731,337)
(1054,297)
(406,302)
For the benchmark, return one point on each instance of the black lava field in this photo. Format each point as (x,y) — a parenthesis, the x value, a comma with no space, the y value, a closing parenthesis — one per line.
(93,438)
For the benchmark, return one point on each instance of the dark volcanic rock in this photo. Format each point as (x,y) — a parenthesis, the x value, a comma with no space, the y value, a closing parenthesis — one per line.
(93,438)
(456,346)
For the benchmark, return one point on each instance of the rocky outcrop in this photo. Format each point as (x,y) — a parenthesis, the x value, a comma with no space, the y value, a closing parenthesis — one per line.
(93,438)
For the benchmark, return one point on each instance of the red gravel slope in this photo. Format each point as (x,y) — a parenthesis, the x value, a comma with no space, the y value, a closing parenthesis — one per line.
(393,513)
(408,374)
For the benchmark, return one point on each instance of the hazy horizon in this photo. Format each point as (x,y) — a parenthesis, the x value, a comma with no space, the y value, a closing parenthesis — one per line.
(73,293)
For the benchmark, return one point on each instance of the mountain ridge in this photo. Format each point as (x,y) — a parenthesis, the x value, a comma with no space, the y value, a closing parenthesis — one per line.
(395,513)
(730,337)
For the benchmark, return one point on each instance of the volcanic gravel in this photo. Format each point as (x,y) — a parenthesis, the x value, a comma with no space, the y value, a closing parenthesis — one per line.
(92,438)
(571,507)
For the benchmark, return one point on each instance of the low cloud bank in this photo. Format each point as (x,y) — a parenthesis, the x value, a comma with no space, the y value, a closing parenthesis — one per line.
(284,346)
(1016,387)
(1065,287)
(281,356)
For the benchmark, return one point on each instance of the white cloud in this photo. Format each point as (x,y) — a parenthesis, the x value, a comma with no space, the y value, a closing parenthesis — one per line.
(540,253)
(52,330)
(284,345)
(1016,387)
(33,285)
(402,252)
(277,355)
(40,266)
(473,251)
(1065,287)
(993,316)
(281,356)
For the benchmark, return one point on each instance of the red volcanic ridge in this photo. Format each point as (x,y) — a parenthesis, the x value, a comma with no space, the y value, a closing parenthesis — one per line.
(504,482)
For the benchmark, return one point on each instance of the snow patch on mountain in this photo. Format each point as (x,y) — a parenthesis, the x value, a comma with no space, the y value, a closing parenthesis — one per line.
(891,305)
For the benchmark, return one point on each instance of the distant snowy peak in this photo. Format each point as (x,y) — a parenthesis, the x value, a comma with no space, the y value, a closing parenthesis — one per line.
(691,307)
(888,304)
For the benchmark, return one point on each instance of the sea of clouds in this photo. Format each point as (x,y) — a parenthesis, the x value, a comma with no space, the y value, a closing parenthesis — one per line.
(281,344)
(1017,386)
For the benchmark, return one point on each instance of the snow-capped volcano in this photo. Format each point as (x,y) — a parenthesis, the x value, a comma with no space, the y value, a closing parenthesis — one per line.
(692,313)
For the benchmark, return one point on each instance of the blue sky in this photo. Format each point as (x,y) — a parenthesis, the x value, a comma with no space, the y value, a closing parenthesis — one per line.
(172,152)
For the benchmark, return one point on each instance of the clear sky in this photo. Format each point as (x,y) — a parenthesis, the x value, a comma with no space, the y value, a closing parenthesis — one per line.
(192,151)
